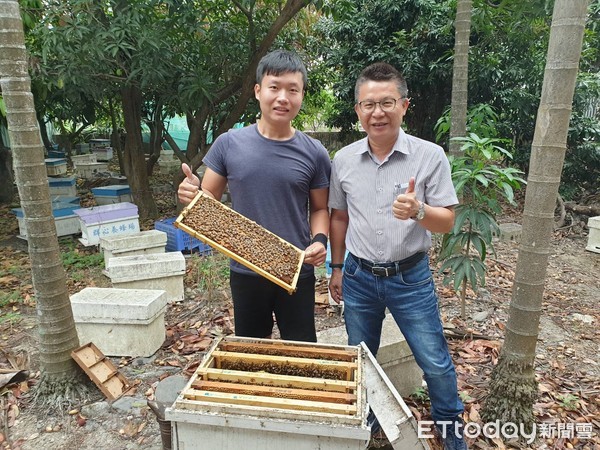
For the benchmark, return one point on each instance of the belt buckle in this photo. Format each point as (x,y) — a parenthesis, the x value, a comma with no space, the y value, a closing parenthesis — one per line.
(381,271)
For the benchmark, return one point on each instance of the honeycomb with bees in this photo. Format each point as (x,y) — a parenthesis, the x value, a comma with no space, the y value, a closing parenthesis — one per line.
(242,240)
(263,374)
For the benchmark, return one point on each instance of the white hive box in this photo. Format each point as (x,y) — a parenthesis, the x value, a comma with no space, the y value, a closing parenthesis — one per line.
(153,271)
(167,155)
(394,356)
(169,166)
(97,143)
(593,244)
(121,322)
(82,148)
(256,394)
(116,193)
(107,220)
(62,186)
(83,159)
(87,170)
(66,221)
(56,166)
(142,243)
(103,153)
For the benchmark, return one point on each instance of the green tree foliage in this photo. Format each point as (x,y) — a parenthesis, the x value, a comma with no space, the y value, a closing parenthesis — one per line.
(508,45)
(481,181)
(415,36)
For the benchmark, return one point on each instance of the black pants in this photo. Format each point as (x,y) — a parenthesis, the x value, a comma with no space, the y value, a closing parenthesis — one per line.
(255,299)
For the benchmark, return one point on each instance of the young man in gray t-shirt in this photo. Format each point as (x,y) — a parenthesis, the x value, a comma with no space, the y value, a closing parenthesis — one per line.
(278,177)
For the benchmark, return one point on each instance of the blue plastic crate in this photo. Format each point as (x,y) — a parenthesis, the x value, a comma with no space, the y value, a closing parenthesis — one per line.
(178,240)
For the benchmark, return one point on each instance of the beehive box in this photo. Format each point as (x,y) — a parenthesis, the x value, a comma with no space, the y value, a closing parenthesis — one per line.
(66,221)
(107,195)
(87,170)
(260,393)
(56,166)
(107,220)
(96,143)
(62,186)
(83,159)
(593,244)
(103,153)
(242,240)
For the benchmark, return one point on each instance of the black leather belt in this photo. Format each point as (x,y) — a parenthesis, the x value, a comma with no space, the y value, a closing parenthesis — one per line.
(389,269)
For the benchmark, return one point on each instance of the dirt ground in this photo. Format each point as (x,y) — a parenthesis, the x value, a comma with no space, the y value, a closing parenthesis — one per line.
(568,367)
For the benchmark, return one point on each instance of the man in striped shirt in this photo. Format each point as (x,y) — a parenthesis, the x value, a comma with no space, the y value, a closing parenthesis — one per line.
(388,193)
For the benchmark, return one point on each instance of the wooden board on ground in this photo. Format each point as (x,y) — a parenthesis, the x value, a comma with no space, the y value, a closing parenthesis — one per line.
(243,240)
(101,371)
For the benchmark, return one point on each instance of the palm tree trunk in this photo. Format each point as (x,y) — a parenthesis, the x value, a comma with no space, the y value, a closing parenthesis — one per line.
(58,336)
(513,388)
(460,74)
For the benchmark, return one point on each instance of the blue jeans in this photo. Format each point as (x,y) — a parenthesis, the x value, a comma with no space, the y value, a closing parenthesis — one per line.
(410,297)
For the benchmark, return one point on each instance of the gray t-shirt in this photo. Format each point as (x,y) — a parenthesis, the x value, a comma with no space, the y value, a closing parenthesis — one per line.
(270,181)
(366,188)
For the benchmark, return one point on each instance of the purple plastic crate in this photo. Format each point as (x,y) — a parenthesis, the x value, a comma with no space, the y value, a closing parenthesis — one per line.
(105,213)
(178,240)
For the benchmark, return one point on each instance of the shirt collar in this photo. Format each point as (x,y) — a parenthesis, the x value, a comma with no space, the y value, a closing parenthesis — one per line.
(400,146)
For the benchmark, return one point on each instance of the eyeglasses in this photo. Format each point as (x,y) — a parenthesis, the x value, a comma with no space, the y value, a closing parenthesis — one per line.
(386,105)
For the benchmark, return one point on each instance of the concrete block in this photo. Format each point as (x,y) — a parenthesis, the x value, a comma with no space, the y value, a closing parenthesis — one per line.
(593,244)
(121,322)
(154,271)
(394,355)
(142,243)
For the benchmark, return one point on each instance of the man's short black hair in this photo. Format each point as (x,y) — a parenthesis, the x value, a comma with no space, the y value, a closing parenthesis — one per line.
(279,62)
(381,71)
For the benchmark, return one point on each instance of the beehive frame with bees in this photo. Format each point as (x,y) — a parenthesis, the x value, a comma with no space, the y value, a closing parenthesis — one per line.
(285,379)
(243,240)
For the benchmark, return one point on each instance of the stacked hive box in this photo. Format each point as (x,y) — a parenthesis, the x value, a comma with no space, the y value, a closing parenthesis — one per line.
(142,243)
(64,186)
(107,195)
(121,322)
(153,271)
(56,166)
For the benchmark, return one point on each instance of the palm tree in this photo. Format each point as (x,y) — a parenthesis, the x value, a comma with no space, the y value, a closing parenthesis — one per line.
(57,333)
(513,387)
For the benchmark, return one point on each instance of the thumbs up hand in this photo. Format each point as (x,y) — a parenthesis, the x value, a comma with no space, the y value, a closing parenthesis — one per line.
(406,205)
(189,187)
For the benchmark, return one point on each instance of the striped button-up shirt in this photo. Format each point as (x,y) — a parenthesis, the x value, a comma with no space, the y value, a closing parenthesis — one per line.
(366,188)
